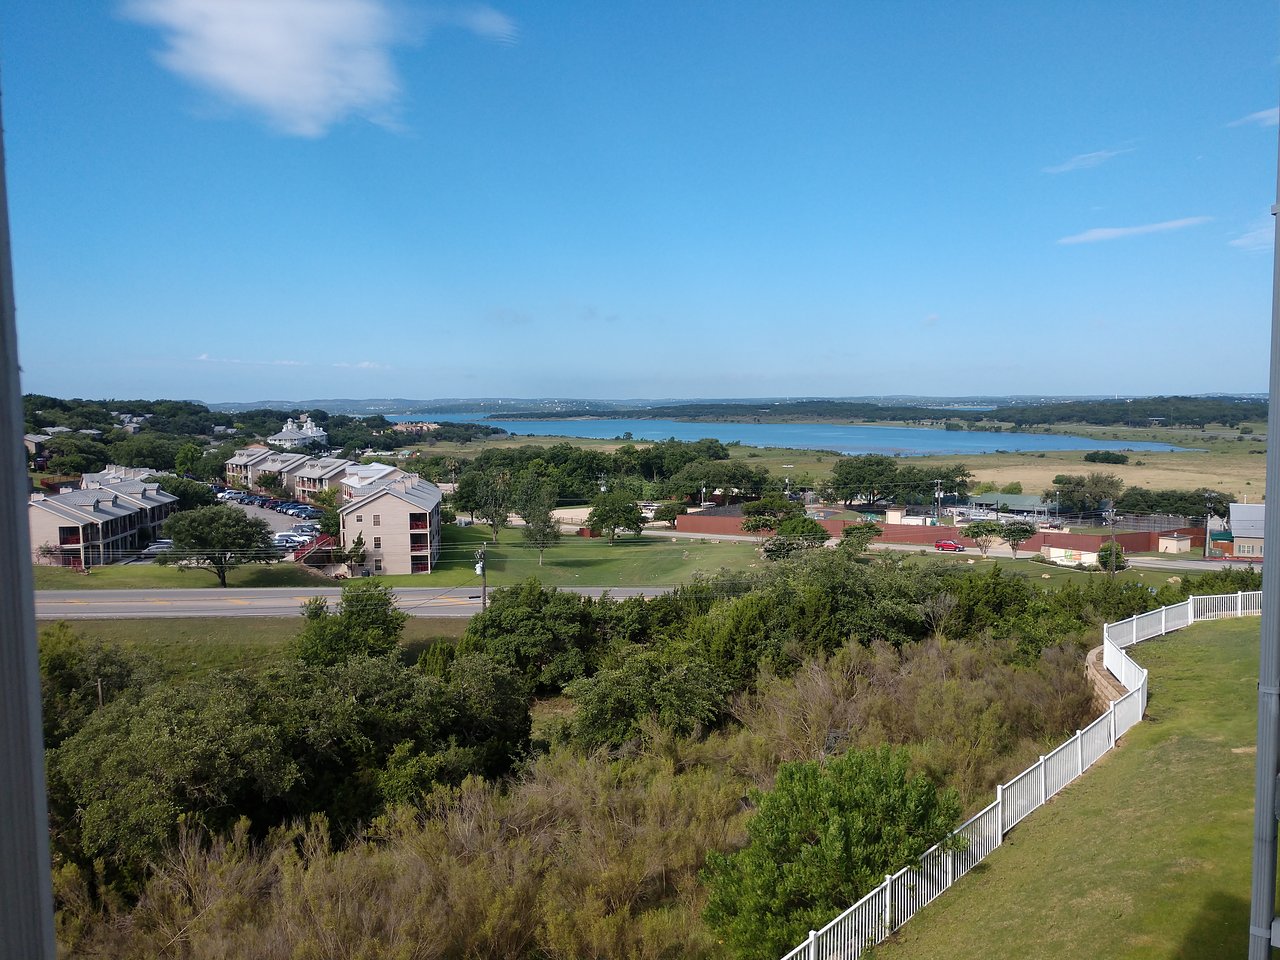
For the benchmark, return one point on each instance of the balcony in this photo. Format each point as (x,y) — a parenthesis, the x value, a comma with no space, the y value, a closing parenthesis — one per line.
(419,525)
(419,546)
(69,539)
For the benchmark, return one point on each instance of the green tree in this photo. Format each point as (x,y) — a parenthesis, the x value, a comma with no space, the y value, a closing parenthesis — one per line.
(78,675)
(365,623)
(857,537)
(190,493)
(1084,493)
(536,500)
(615,510)
(1013,488)
(867,478)
(187,459)
(821,840)
(326,501)
(495,499)
(218,539)
(667,512)
(793,535)
(1111,557)
(1017,532)
(985,534)
(676,689)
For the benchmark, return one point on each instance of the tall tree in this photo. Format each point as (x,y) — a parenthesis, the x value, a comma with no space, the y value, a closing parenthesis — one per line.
(218,539)
(615,510)
(985,533)
(365,623)
(1016,533)
(536,500)
(495,496)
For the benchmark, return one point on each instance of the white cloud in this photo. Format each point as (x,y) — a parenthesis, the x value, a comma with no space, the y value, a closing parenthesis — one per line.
(304,65)
(362,365)
(1115,233)
(1261,236)
(1263,118)
(1084,161)
(488,23)
(205,358)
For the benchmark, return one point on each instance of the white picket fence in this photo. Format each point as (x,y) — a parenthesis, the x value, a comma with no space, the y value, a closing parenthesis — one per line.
(894,902)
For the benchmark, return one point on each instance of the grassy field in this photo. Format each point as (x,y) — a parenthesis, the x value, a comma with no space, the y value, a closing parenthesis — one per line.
(141,576)
(1219,458)
(1148,855)
(576,561)
(192,647)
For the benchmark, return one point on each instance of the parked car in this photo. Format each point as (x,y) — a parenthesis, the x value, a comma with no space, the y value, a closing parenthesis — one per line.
(157,547)
(948,545)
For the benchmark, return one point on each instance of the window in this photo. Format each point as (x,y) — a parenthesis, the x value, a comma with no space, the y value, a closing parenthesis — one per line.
(377,563)
(377,543)
(377,520)
(359,519)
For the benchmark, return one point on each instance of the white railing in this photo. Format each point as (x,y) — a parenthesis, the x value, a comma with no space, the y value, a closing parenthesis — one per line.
(886,908)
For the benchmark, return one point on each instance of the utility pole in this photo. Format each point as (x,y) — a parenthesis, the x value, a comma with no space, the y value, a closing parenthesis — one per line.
(937,502)
(26,891)
(483,573)
(1262,912)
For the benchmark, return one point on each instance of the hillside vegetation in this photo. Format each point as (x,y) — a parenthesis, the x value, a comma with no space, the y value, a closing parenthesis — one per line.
(340,802)
(1147,856)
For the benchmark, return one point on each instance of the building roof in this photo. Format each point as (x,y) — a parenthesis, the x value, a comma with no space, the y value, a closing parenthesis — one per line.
(35,437)
(322,468)
(413,490)
(304,431)
(1014,501)
(248,456)
(85,506)
(362,476)
(1247,520)
(280,462)
(113,472)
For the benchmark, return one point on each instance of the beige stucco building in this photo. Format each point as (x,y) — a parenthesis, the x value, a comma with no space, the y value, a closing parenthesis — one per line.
(87,528)
(399,520)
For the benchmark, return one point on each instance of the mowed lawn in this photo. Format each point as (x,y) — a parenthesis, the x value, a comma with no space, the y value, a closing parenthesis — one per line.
(1147,855)
(578,561)
(148,576)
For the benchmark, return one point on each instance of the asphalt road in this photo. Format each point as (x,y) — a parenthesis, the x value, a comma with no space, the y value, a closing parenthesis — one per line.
(273,602)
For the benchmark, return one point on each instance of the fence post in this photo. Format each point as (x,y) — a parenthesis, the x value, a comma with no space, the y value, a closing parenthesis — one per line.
(951,868)
(1000,807)
(1162,629)
(1042,779)
(1079,755)
(1111,716)
(888,903)
(813,945)
(1239,599)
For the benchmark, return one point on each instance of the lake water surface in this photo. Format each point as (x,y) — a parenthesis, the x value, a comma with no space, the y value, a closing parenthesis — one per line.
(843,438)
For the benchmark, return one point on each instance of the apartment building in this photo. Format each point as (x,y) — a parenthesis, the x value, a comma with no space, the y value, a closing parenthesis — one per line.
(399,520)
(303,433)
(237,468)
(282,465)
(88,528)
(319,473)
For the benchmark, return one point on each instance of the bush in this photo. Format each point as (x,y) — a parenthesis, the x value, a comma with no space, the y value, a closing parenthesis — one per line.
(824,837)
(1105,456)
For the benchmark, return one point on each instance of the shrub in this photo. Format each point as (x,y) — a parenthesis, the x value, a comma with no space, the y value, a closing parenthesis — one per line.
(824,837)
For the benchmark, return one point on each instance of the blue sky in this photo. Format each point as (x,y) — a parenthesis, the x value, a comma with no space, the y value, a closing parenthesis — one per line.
(243,199)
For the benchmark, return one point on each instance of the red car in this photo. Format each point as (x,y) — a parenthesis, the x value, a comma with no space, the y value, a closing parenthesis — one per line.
(948,545)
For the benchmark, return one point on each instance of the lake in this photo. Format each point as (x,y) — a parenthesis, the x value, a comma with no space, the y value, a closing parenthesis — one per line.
(842,438)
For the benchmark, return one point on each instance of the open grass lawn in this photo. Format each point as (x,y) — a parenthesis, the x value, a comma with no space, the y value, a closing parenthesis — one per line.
(576,561)
(142,576)
(1146,856)
(192,647)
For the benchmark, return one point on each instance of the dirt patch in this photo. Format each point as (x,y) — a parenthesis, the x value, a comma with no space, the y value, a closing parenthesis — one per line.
(1244,749)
